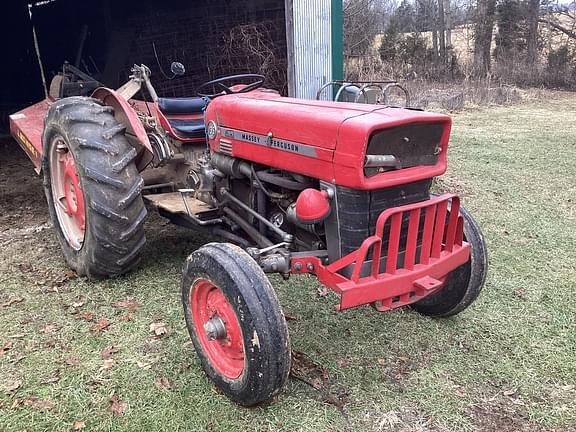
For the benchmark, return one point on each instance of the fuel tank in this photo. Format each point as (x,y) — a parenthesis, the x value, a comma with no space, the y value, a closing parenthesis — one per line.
(328,140)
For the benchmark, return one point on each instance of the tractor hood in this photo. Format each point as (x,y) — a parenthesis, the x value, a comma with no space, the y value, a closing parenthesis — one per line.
(316,138)
(309,122)
(316,123)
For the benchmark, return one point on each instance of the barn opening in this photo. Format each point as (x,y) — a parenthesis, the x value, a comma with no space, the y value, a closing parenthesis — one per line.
(104,38)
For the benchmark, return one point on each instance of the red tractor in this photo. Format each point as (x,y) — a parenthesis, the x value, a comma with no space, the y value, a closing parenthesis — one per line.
(338,190)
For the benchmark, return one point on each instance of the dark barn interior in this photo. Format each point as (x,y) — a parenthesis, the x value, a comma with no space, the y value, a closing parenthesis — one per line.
(104,38)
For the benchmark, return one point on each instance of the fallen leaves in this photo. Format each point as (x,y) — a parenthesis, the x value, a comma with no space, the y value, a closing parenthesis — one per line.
(339,399)
(107,352)
(163,384)
(57,281)
(5,348)
(72,361)
(53,378)
(521,293)
(12,385)
(11,301)
(86,316)
(117,406)
(302,366)
(46,279)
(78,425)
(159,329)
(38,404)
(25,267)
(301,363)
(50,343)
(130,304)
(107,364)
(69,275)
(35,403)
(322,291)
(317,377)
(317,383)
(49,328)
(100,326)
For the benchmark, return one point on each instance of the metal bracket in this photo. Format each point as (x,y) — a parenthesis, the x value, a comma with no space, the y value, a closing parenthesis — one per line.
(255,252)
(196,219)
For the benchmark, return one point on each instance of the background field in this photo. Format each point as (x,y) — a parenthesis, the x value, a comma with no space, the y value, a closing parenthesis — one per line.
(507,364)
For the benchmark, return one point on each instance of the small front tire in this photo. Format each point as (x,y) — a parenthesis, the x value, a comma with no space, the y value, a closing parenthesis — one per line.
(236,323)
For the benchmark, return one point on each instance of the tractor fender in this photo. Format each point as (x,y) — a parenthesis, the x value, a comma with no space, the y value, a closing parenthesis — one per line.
(124,114)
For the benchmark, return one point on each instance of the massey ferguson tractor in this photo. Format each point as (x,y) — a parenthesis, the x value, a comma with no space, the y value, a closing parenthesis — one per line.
(333,189)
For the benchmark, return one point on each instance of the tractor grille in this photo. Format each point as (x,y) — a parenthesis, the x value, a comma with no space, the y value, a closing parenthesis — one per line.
(411,145)
(355,213)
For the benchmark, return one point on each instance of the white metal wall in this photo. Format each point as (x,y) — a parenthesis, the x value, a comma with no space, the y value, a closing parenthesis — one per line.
(309,26)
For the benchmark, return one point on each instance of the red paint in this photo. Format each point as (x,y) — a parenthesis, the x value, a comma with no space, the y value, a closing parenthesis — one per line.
(398,286)
(73,192)
(26,127)
(163,120)
(339,132)
(125,114)
(226,355)
(312,206)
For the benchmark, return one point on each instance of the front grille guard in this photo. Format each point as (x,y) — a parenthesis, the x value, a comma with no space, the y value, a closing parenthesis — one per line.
(429,256)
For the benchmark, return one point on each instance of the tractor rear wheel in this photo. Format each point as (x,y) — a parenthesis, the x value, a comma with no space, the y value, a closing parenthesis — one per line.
(93,188)
(463,285)
(235,322)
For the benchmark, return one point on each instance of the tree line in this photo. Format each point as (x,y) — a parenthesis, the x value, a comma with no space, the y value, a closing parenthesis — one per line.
(503,37)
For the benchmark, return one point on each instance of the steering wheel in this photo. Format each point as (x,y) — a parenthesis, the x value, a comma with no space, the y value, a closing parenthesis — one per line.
(255,81)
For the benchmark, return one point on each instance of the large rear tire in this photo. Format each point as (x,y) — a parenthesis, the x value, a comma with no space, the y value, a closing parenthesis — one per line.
(93,188)
(463,285)
(235,322)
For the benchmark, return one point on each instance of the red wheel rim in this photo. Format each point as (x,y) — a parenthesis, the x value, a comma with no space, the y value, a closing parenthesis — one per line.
(67,193)
(226,353)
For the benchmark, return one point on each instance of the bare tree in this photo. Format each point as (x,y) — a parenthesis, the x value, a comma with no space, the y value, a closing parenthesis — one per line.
(363,20)
(442,30)
(564,21)
(532,35)
(448,22)
(483,36)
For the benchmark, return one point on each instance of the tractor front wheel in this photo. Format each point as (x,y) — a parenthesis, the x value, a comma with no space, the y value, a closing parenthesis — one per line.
(93,188)
(235,322)
(463,285)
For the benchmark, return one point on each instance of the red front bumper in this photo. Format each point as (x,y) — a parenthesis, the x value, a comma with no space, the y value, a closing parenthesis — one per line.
(439,235)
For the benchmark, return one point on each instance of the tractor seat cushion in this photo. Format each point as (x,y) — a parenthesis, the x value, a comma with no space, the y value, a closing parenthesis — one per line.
(189,128)
(172,106)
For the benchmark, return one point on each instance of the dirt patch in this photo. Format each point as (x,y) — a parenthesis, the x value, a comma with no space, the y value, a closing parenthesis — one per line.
(23,207)
(502,416)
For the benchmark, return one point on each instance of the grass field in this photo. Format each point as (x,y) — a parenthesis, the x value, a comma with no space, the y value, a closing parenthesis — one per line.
(507,364)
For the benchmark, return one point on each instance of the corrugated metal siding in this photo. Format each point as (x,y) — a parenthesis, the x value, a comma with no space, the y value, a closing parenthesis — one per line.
(312,32)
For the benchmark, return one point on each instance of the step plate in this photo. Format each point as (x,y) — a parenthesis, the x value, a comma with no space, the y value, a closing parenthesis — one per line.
(173,203)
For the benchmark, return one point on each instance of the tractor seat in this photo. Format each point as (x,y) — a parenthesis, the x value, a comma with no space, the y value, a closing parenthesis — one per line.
(174,106)
(189,128)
